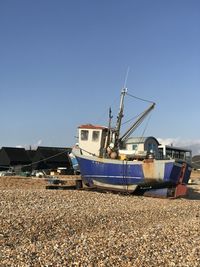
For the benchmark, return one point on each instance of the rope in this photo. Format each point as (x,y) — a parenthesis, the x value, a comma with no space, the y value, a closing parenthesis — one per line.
(88,152)
(35,162)
(60,153)
(125,175)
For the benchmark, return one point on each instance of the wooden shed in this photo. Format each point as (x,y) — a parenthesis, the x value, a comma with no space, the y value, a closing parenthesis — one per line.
(14,157)
(52,158)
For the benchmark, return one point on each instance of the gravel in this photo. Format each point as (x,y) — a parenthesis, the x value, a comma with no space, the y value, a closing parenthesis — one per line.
(40,227)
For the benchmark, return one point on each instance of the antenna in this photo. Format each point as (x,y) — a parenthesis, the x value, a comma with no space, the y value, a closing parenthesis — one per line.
(126,77)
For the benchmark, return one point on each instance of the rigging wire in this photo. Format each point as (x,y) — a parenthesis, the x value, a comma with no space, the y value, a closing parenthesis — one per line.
(144,130)
(135,117)
(147,123)
(102,116)
(139,98)
(142,136)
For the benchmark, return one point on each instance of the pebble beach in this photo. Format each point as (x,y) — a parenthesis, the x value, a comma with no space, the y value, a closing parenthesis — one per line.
(40,227)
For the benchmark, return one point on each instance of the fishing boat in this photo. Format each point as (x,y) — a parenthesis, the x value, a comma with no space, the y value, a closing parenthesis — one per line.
(105,163)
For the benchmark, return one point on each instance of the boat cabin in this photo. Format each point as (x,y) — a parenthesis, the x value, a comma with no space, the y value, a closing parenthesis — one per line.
(92,139)
(140,147)
(172,152)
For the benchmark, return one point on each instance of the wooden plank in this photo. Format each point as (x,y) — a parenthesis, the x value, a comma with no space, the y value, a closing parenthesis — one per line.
(60,187)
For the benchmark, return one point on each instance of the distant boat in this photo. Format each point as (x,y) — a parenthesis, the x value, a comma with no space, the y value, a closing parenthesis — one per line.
(105,164)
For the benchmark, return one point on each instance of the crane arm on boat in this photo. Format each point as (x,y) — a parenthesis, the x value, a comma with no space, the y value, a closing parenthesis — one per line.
(126,135)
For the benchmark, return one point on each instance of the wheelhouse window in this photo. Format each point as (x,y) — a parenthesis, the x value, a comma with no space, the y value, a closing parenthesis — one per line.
(95,136)
(151,147)
(84,135)
(134,147)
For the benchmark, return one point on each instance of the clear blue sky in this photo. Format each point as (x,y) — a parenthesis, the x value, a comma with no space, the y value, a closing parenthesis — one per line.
(63,63)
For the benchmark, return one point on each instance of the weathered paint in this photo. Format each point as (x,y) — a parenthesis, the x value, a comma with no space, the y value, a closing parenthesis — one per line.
(124,175)
(153,169)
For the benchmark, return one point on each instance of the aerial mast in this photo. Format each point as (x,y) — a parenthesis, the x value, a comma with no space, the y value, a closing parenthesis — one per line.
(120,114)
(119,119)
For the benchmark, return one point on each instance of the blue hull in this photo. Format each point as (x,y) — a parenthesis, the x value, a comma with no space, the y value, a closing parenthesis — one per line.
(126,175)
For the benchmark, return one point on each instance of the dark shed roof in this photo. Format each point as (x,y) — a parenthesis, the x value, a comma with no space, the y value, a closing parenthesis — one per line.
(52,157)
(54,154)
(13,156)
(31,154)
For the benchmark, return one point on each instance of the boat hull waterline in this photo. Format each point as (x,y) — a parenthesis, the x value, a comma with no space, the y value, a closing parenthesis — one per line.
(118,175)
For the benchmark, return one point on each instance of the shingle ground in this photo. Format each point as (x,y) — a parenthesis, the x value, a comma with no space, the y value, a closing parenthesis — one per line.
(40,227)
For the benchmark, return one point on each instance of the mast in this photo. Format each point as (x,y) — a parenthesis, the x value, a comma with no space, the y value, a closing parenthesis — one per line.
(119,119)
(109,128)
